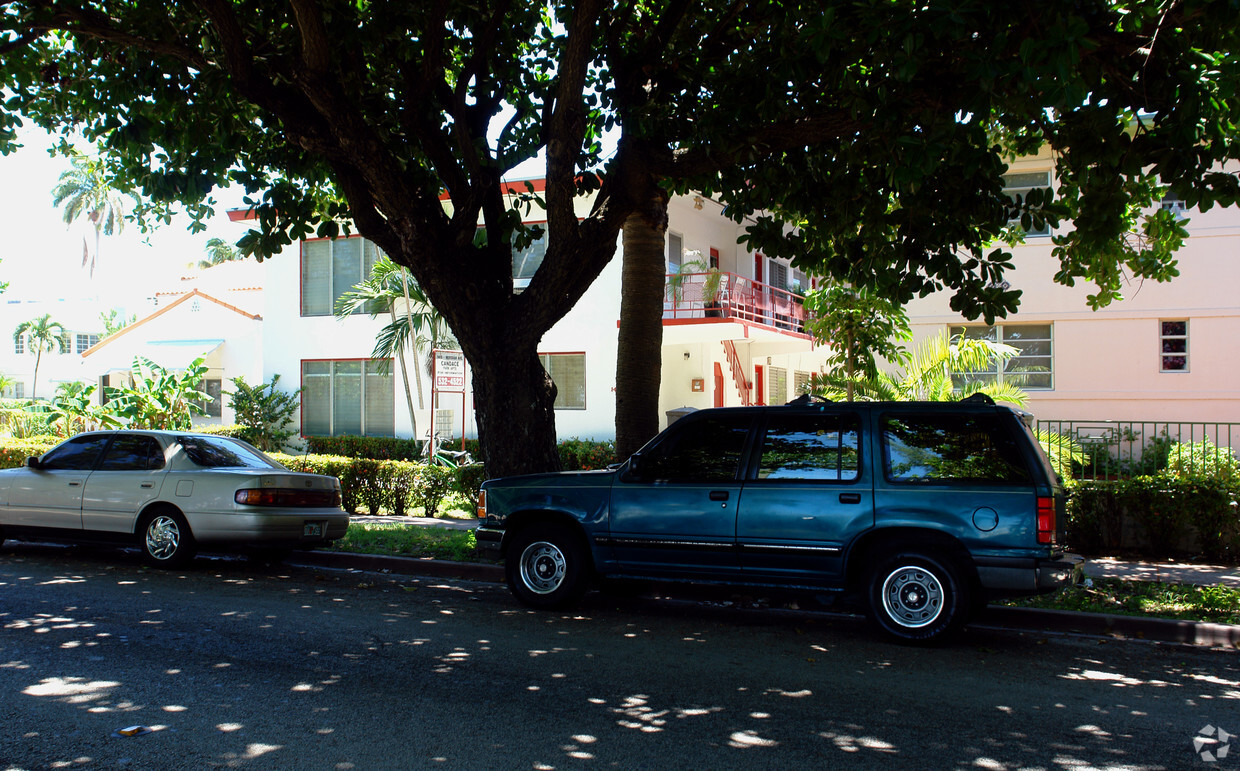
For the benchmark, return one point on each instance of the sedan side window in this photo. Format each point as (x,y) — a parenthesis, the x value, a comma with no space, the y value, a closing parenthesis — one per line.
(131,452)
(822,447)
(78,454)
(706,450)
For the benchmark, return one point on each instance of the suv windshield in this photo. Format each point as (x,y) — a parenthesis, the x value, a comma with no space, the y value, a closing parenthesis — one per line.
(218,452)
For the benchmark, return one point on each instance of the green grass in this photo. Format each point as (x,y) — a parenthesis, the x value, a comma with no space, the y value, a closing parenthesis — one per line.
(1217,604)
(409,541)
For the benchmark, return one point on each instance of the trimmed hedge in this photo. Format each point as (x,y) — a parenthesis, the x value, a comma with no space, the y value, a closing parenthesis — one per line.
(374,447)
(1158,516)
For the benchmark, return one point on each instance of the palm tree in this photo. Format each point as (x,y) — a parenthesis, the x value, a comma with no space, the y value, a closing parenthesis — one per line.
(939,370)
(420,325)
(42,334)
(86,191)
(218,252)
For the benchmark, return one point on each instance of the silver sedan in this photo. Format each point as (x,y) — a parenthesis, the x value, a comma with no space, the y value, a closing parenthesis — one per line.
(168,492)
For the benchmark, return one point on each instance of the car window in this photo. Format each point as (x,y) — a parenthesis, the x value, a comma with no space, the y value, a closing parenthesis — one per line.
(817,447)
(219,452)
(940,448)
(77,454)
(133,452)
(704,450)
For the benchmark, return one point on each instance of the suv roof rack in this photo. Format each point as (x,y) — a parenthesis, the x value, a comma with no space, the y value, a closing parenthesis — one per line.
(807,399)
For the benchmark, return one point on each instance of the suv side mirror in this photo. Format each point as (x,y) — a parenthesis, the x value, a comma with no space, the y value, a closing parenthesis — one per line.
(636,465)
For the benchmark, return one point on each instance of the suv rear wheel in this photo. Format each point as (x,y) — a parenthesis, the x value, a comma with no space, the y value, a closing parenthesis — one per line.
(916,597)
(547,566)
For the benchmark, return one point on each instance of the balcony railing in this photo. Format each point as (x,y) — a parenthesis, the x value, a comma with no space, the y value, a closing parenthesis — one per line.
(729,297)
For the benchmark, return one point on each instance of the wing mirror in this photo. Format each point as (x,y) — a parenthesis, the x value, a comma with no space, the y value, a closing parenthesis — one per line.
(33,462)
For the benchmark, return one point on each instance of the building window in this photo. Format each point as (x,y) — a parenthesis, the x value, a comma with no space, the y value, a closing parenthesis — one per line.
(800,383)
(83,342)
(213,404)
(329,268)
(1033,366)
(19,344)
(1176,206)
(675,252)
(348,398)
(14,391)
(1173,346)
(568,372)
(1020,185)
(778,384)
(525,262)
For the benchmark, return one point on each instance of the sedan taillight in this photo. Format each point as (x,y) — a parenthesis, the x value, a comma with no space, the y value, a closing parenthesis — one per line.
(1046,520)
(309,499)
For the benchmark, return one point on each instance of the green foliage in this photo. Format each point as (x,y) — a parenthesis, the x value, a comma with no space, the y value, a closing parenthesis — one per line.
(159,398)
(907,113)
(1063,452)
(24,419)
(232,430)
(42,335)
(931,374)
(87,190)
(265,412)
(431,485)
(73,410)
(1202,460)
(113,321)
(1165,510)
(1216,604)
(859,325)
(408,541)
(13,452)
(469,479)
(585,454)
(377,447)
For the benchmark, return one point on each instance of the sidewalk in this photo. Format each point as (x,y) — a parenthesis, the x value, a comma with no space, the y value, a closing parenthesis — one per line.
(1003,617)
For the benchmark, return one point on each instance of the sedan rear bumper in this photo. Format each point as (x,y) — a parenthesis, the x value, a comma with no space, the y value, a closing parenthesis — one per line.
(270,528)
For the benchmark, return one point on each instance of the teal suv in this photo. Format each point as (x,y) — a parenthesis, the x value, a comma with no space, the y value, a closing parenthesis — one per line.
(923,511)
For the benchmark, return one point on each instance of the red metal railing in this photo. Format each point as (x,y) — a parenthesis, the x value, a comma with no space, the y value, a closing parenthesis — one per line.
(743,386)
(730,297)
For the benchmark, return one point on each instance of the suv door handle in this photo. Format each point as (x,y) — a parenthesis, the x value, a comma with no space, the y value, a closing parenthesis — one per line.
(850,497)
(718,495)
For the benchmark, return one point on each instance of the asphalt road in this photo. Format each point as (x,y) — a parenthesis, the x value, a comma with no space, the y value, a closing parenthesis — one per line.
(240,666)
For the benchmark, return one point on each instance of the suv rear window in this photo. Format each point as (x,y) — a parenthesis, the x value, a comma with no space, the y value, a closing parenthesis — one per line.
(821,447)
(945,449)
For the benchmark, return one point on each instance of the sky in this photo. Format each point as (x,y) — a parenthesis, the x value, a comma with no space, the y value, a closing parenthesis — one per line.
(41,256)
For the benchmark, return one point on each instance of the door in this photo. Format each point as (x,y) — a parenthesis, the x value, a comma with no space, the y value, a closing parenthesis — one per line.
(51,495)
(673,510)
(127,478)
(808,497)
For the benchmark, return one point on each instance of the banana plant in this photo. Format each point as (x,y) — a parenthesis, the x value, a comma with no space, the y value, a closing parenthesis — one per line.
(159,398)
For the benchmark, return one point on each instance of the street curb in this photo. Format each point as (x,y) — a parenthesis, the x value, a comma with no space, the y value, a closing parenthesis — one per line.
(995,616)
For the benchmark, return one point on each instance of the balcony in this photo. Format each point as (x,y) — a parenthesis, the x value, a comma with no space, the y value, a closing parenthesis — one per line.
(726,298)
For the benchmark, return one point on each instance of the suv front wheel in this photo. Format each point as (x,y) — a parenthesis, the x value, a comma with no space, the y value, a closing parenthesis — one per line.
(916,597)
(547,566)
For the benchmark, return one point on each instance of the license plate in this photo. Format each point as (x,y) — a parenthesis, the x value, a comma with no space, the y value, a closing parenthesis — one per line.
(313,530)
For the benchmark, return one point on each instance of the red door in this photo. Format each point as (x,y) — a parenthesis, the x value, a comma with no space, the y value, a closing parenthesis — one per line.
(759,384)
(718,385)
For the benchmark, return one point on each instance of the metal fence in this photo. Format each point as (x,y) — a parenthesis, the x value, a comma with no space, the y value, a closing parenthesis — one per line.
(1117,449)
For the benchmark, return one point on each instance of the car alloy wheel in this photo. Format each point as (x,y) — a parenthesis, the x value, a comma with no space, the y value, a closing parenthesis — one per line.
(163,537)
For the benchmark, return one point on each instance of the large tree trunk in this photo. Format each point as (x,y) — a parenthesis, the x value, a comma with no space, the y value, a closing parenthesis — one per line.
(514,402)
(639,355)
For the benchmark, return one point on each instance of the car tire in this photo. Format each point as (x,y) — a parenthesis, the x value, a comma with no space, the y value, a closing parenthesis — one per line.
(165,539)
(916,597)
(547,566)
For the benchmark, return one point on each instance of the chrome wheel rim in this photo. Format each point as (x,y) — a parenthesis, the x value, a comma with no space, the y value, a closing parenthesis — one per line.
(163,537)
(543,567)
(913,596)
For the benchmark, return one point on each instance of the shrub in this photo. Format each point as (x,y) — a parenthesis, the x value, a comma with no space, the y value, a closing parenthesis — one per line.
(584,454)
(232,431)
(374,447)
(1202,460)
(430,486)
(13,452)
(264,411)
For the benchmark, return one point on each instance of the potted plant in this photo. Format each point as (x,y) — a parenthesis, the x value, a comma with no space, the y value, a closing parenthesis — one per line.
(712,284)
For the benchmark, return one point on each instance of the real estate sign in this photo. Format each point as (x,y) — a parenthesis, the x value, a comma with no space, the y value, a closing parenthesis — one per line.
(449,371)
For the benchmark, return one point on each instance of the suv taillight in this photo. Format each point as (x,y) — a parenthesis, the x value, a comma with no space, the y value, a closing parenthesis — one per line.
(1046,520)
(482,504)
